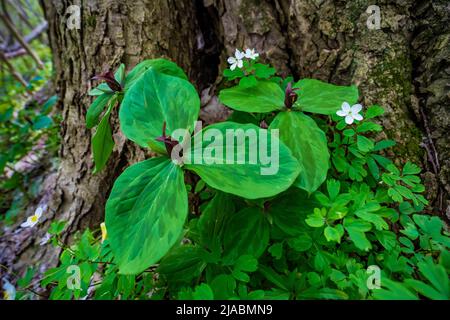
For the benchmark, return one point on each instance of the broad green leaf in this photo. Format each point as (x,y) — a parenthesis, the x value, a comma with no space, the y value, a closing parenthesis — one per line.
(182,264)
(159,65)
(145,213)
(233,158)
(289,211)
(265,96)
(96,108)
(246,233)
(320,97)
(212,220)
(308,145)
(102,142)
(156,98)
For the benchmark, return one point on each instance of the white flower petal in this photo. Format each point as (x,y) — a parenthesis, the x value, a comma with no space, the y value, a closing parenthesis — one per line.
(32,224)
(349,119)
(357,117)
(342,113)
(38,212)
(231,60)
(239,55)
(356,108)
(248,53)
(233,66)
(346,107)
(26,224)
(240,64)
(10,290)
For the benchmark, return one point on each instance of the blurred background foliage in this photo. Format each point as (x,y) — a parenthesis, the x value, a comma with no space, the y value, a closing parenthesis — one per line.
(29,123)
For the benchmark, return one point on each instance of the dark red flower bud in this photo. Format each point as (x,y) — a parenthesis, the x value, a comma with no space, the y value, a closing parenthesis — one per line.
(290,96)
(167,140)
(108,77)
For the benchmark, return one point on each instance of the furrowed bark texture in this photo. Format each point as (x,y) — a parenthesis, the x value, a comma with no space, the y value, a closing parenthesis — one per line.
(404,67)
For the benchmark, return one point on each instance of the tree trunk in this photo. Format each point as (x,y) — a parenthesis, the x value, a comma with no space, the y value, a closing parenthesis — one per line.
(403,67)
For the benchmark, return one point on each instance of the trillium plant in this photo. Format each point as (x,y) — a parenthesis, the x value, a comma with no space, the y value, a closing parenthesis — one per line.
(213,222)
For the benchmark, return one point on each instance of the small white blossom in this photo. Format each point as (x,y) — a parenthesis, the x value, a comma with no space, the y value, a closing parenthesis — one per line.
(45,239)
(251,54)
(9,291)
(350,113)
(236,61)
(34,219)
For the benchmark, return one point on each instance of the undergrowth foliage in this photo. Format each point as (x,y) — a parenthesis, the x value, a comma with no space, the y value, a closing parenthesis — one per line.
(337,209)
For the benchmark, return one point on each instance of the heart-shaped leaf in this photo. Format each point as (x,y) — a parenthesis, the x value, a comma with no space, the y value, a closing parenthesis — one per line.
(256,166)
(320,97)
(156,98)
(265,96)
(145,213)
(308,144)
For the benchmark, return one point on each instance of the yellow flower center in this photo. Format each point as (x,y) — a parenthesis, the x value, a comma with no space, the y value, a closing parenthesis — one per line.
(6,295)
(34,218)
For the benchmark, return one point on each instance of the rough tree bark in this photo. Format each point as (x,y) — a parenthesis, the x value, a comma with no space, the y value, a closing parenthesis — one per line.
(404,66)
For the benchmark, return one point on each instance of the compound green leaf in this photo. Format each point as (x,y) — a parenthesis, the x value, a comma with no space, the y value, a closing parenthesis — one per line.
(145,213)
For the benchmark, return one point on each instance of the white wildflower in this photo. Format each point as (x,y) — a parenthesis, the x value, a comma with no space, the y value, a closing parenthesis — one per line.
(350,113)
(251,54)
(236,61)
(34,219)
(45,239)
(9,291)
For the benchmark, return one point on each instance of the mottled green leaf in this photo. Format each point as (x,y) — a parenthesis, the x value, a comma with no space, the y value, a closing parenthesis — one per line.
(320,97)
(308,145)
(145,213)
(156,98)
(265,96)
(240,167)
